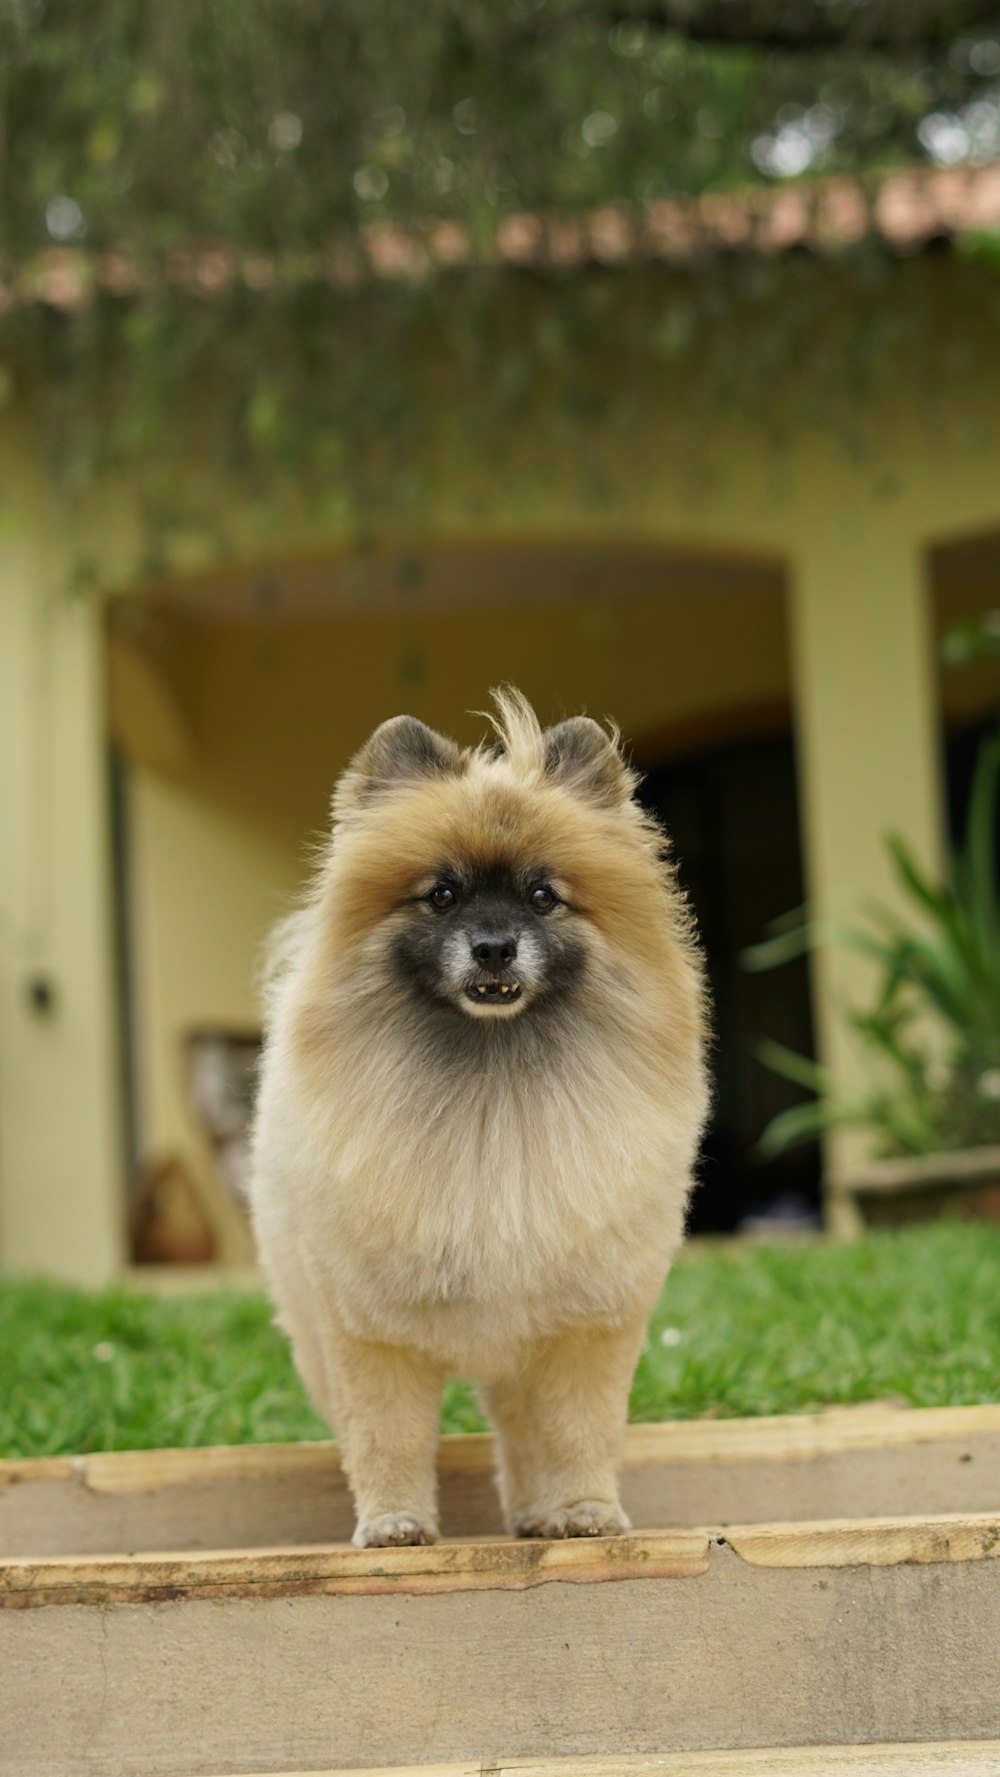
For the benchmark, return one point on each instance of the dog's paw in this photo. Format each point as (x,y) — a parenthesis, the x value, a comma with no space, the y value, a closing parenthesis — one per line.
(393,1530)
(585,1517)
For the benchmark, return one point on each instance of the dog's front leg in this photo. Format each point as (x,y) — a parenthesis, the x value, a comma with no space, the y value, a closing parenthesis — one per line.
(387,1403)
(576,1395)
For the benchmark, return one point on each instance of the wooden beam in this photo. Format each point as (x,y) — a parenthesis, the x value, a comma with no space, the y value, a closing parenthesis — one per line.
(343,1571)
(951,1758)
(285,1660)
(848,1461)
(920,1172)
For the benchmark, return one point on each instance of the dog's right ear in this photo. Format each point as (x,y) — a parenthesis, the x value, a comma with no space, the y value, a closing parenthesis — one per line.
(401,751)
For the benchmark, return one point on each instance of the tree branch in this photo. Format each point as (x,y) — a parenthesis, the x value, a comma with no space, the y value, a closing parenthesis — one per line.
(881,25)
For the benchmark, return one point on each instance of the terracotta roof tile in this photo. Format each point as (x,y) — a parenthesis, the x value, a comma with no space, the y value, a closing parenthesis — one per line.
(905,210)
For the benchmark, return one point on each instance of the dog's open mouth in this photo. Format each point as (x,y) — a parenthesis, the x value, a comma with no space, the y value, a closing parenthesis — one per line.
(493,993)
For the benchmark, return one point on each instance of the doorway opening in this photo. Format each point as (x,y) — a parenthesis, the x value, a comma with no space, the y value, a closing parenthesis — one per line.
(732,813)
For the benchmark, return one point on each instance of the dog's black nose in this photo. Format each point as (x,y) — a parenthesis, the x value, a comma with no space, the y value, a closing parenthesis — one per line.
(494,953)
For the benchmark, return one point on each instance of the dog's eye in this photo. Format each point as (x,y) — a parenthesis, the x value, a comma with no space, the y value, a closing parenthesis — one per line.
(442,896)
(542,898)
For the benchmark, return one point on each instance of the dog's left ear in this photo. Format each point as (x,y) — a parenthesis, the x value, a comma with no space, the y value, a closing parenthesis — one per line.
(583,758)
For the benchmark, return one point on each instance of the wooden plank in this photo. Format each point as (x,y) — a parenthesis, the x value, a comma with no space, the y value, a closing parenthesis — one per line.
(804,1436)
(281,1680)
(446,1567)
(920,1172)
(842,1463)
(246,1497)
(789,1436)
(869,1542)
(954,1758)
(490,1566)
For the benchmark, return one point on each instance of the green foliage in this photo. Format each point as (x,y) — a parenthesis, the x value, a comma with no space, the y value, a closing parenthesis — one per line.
(276,123)
(973,641)
(932,1037)
(911,1316)
(279,133)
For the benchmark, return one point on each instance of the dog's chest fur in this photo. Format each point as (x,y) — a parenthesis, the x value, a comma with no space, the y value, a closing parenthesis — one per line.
(476,1204)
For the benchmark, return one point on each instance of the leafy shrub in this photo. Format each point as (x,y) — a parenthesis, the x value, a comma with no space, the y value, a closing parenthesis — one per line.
(932,1037)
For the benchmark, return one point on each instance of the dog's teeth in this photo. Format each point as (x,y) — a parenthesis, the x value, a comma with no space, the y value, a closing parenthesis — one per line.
(505,990)
(482,990)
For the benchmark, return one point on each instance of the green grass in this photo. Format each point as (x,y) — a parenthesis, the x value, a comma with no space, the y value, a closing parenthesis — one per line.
(912,1317)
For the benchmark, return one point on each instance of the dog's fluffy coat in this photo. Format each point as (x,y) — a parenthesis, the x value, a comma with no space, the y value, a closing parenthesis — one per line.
(441,1190)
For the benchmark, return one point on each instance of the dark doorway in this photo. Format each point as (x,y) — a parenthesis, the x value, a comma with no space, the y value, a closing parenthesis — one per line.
(732,814)
(961,752)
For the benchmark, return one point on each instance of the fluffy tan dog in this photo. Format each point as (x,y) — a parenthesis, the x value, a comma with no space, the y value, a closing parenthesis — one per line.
(481,1097)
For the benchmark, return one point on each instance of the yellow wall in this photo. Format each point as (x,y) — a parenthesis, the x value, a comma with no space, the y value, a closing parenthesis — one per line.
(60,1123)
(275,708)
(256,718)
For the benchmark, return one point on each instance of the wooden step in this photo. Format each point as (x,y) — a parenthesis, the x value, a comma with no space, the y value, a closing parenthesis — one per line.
(846,1462)
(293,1659)
(956,1758)
(805,1641)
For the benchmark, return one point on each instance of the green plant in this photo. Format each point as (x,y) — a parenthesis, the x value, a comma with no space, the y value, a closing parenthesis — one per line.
(932,1036)
(979,640)
(222,258)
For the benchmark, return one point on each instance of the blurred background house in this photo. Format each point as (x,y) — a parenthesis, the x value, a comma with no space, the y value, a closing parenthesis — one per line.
(720,459)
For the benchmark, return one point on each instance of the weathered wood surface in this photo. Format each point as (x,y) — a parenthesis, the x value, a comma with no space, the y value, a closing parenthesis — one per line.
(498,1565)
(344,1571)
(955,1758)
(297,1661)
(847,1462)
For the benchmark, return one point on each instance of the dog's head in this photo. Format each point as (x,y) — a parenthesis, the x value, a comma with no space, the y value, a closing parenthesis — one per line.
(496,883)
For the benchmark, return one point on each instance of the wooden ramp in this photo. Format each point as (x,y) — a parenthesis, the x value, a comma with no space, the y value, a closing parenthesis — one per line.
(827,1585)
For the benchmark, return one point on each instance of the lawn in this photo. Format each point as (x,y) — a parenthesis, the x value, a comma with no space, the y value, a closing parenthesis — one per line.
(911,1317)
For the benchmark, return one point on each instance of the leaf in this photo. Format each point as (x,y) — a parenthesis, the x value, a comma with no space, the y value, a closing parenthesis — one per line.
(800,1069)
(980,852)
(791,939)
(802,1123)
(940,968)
(933,900)
(883,1035)
(770,953)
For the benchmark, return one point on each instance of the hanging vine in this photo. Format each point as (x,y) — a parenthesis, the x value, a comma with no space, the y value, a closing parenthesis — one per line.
(238,234)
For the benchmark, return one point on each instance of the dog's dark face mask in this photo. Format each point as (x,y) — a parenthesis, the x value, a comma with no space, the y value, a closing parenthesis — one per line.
(492,939)
(490,943)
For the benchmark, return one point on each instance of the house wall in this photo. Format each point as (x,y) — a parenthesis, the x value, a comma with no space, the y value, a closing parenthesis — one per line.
(61,1152)
(275,709)
(256,719)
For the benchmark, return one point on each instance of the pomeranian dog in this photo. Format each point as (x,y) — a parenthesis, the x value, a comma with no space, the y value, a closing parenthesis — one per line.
(481,1096)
